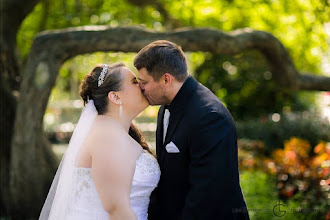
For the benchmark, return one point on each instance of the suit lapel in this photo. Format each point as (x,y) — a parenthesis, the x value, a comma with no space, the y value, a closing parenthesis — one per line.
(159,133)
(176,109)
(174,121)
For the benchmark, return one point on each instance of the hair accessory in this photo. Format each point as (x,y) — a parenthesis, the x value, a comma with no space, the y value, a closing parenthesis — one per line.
(102,75)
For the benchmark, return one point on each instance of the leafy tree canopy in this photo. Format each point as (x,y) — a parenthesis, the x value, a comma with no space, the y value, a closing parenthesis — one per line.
(299,25)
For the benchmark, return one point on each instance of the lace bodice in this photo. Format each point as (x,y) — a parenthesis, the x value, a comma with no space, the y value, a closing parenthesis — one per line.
(87,202)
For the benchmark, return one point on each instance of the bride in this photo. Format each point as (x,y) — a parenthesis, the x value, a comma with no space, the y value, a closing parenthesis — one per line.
(107,171)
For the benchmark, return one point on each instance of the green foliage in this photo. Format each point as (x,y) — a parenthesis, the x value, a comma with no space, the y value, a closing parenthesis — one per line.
(260,194)
(299,208)
(52,14)
(305,125)
(297,24)
(73,71)
(290,176)
(302,179)
(244,84)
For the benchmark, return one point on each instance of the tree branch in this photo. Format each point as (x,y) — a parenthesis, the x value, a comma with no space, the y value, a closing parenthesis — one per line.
(68,43)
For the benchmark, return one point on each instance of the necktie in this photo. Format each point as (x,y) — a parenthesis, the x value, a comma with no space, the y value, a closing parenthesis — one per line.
(166,121)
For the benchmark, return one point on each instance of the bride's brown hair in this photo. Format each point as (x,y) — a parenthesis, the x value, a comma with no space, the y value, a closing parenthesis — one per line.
(113,82)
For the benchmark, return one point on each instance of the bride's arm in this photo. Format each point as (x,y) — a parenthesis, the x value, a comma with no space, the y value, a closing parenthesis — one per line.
(113,166)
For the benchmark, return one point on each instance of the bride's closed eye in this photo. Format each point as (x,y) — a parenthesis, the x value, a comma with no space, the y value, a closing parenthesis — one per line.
(135,81)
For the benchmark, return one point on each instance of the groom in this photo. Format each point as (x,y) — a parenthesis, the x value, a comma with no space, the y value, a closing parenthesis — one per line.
(196,141)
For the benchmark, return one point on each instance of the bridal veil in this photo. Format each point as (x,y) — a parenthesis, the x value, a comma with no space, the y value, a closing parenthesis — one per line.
(60,197)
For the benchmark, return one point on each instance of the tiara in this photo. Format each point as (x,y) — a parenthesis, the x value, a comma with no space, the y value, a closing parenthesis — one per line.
(102,75)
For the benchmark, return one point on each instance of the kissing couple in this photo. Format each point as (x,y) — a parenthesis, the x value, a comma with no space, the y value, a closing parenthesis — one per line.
(108,171)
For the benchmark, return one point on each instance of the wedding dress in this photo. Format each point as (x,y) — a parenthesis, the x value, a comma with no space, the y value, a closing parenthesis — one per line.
(72,195)
(87,204)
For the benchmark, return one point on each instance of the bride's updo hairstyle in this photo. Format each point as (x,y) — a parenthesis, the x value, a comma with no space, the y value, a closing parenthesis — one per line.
(113,81)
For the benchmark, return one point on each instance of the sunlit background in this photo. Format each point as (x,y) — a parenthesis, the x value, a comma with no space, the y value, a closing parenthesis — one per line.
(284,149)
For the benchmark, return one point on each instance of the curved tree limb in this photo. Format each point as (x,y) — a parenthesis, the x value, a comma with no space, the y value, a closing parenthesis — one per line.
(68,43)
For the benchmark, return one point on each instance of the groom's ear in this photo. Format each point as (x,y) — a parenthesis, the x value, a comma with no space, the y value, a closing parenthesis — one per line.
(168,78)
(114,97)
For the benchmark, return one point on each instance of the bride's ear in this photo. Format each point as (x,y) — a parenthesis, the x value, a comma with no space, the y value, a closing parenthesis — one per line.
(114,98)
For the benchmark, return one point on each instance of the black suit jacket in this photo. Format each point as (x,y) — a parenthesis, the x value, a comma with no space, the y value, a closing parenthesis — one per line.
(202,181)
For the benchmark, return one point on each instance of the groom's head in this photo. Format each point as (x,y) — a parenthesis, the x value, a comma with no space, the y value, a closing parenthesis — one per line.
(161,69)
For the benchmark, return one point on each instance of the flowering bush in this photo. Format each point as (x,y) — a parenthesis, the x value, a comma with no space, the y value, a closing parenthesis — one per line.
(297,171)
(302,172)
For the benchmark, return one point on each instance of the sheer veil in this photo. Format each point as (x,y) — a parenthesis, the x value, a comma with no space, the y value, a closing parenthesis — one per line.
(60,198)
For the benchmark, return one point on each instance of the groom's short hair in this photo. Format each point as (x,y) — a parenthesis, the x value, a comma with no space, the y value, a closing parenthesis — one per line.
(160,57)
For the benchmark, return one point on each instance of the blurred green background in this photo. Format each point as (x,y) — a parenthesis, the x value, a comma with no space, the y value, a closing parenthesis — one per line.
(284,135)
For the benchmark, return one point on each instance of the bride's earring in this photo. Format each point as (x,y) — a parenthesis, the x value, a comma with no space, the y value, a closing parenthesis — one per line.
(120,110)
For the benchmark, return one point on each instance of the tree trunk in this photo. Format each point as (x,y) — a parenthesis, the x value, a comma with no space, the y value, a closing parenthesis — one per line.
(9,85)
(7,116)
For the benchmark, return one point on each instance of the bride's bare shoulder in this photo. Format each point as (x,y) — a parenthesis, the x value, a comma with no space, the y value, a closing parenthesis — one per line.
(107,137)
(101,133)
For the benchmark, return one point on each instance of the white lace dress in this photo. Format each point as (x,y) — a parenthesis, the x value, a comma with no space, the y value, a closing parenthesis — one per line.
(88,205)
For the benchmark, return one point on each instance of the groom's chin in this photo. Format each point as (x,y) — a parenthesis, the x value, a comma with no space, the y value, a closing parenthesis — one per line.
(150,102)
(153,104)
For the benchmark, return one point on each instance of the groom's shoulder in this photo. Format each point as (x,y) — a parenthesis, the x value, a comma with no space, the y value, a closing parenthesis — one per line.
(205,102)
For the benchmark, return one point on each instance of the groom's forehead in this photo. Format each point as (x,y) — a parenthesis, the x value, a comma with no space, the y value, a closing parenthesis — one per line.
(143,75)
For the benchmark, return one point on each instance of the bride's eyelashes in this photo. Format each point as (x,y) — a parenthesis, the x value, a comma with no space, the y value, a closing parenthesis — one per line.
(135,81)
